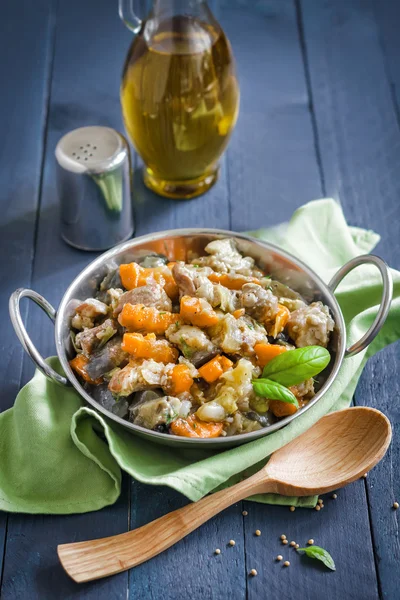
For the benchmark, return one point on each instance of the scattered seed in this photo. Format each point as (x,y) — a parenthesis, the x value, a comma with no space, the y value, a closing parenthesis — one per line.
(310,541)
(285,542)
(292,508)
(286,563)
(279,557)
(232,542)
(334,496)
(395,505)
(217,551)
(253,572)
(297,546)
(320,501)
(365,475)
(283,536)
(318,507)
(257,532)
(244,513)
(292,544)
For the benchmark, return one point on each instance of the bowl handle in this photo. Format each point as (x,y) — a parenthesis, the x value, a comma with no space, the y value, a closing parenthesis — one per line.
(384,307)
(23,336)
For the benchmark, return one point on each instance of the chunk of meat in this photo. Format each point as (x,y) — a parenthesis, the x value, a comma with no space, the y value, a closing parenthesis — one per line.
(107,358)
(184,279)
(92,339)
(192,342)
(87,312)
(259,303)
(225,258)
(311,325)
(136,376)
(237,335)
(151,294)
(304,390)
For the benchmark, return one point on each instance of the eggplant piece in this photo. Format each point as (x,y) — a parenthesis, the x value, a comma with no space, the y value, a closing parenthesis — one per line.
(151,261)
(200,358)
(264,420)
(106,359)
(145,396)
(111,280)
(120,408)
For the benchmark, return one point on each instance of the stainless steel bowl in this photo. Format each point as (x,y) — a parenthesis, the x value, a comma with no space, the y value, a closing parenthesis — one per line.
(175,244)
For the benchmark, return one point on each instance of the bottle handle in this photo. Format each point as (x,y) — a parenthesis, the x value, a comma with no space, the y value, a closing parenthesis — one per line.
(128,15)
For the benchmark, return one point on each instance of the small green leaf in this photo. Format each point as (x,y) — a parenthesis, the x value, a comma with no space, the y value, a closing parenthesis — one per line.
(274,391)
(320,554)
(295,366)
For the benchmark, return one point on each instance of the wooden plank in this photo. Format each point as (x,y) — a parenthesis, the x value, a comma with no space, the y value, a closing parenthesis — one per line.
(359,139)
(24,83)
(387,14)
(272,166)
(191,566)
(87,64)
(276,169)
(205,576)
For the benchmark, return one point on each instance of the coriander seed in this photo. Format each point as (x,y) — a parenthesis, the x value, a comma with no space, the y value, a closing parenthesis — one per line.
(310,541)
(283,536)
(253,572)
(292,544)
(217,551)
(257,532)
(292,508)
(286,563)
(318,507)
(395,505)
(232,542)
(334,496)
(279,557)
(245,513)
(285,542)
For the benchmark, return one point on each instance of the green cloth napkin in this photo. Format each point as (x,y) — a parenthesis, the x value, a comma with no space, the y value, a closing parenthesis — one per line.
(58,456)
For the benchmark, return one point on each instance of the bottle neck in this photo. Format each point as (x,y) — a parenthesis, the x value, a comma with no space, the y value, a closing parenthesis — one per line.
(171,8)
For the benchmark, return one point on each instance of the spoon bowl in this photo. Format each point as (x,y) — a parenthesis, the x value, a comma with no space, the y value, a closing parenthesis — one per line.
(337,450)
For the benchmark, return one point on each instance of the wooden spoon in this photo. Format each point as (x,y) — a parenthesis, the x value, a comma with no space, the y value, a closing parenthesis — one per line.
(334,452)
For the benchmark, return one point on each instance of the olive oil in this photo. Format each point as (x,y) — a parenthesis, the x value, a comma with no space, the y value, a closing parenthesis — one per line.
(180,100)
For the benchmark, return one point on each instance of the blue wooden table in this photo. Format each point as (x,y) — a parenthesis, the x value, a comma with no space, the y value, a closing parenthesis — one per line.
(320,84)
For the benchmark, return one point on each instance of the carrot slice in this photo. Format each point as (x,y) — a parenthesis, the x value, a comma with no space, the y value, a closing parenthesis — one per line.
(78,364)
(233,282)
(130,275)
(194,428)
(148,346)
(133,275)
(198,312)
(266,352)
(214,368)
(240,312)
(180,380)
(282,409)
(146,318)
(281,319)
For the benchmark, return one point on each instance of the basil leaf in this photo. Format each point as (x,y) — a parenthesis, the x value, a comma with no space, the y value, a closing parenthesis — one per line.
(319,554)
(274,391)
(295,366)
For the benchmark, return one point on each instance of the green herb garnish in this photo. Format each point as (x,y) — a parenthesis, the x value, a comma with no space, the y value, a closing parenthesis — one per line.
(319,554)
(274,391)
(295,366)
(186,349)
(171,418)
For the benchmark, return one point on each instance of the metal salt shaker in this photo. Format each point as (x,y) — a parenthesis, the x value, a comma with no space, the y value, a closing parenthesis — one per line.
(94,187)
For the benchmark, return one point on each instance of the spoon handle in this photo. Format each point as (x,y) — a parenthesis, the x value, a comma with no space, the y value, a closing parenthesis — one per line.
(85,561)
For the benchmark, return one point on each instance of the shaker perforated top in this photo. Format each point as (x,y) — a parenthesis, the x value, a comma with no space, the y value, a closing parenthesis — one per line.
(92,149)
